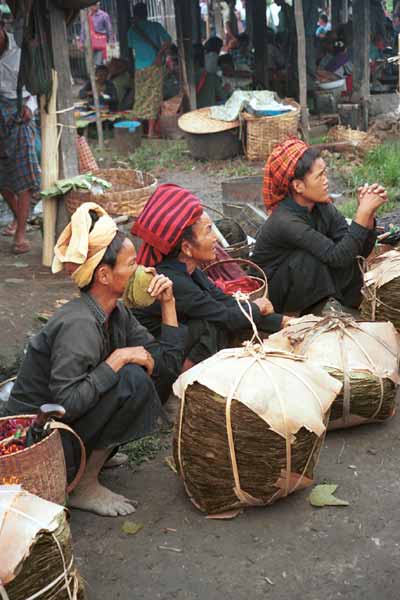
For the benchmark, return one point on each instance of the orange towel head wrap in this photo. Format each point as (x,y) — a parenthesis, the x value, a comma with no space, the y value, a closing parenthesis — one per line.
(280,169)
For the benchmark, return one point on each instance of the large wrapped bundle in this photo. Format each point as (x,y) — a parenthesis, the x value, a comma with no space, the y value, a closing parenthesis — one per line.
(362,355)
(381,289)
(251,426)
(36,549)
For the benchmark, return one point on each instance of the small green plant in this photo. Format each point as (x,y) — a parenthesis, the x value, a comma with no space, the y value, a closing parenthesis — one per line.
(146,448)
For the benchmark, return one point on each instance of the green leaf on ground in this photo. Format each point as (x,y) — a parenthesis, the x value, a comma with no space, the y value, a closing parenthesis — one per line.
(322,495)
(131,528)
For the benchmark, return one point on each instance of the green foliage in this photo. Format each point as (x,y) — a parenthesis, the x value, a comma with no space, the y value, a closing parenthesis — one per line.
(380,165)
(146,448)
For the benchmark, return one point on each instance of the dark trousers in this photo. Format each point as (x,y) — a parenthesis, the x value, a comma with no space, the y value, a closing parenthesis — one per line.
(127,412)
(302,280)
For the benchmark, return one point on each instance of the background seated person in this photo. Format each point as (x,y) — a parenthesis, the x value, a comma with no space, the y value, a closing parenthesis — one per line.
(212,48)
(339,65)
(306,248)
(242,56)
(171,83)
(209,87)
(178,238)
(95,359)
(107,93)
(123,81)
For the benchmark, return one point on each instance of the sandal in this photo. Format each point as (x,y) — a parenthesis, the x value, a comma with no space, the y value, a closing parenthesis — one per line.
(22,247)
(10,230)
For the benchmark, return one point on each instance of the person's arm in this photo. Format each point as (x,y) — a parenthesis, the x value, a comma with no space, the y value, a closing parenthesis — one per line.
(108,27)
(78,376)
(213,305)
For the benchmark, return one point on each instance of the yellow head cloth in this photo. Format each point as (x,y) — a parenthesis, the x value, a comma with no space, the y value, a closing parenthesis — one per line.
(76,245)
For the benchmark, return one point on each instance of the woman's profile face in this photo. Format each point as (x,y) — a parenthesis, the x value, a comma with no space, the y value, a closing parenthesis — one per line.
(204,246)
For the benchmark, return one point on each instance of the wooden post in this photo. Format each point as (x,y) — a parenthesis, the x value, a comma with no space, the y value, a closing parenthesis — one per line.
(196,23)
(49,167)
(92,77)
(183,15)
(124,21)
(361,67)
(258,21)
(302,68)
(65,105)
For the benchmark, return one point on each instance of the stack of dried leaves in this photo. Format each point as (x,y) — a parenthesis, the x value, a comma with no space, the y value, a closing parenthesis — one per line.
(260,453)
(44,564)
(381,289)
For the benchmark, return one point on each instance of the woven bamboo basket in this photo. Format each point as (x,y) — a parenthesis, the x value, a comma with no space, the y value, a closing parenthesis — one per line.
(129,193)
(262,291)
(362,141)
(363,356)
(40,469)
(231,230)
(263,133)
(381,290)
(230,455)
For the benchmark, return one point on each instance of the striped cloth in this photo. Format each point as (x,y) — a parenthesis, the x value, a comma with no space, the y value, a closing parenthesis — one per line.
(280,169)
(169,211)
(19,165)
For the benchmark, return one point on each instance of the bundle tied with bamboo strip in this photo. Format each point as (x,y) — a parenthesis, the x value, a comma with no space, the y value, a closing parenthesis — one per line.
(381,290)
(36,549)
(364,356)
(251,426)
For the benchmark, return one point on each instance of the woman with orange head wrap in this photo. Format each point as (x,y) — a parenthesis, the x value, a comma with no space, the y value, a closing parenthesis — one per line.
(95,359)
(306,248)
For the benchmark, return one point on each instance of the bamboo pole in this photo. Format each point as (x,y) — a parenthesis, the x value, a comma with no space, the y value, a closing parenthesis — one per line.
(302,68)
(90,69)
(49,167)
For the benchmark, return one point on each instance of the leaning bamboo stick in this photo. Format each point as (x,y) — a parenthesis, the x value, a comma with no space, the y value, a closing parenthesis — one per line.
(49,166)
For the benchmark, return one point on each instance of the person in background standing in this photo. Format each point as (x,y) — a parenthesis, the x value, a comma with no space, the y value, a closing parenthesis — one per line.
(149,42)
(101,33)
(323,26)
(19,166)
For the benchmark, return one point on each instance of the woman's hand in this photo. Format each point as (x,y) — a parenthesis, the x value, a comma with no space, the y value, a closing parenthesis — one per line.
(265,306)
(161,287)
(135,355)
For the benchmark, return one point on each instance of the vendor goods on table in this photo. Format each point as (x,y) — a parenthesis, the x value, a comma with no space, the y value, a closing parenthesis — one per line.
(36,551)
(251,426)
(129,192)
(136,294)
(363,355)
(381,290)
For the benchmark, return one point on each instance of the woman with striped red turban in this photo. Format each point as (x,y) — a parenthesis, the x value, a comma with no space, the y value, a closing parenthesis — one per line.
(306,248)
(177,238)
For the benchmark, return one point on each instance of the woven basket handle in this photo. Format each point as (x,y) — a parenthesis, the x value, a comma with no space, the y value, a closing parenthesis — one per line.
(82,466)
(243,261)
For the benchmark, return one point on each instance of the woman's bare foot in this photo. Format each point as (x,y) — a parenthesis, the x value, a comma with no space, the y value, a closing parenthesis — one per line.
(22,247)
(98,499)
(10,230)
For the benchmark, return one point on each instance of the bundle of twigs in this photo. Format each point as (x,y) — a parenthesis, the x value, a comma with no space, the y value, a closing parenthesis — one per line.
(48,561)
(260,453)
(362,356)
(381,291)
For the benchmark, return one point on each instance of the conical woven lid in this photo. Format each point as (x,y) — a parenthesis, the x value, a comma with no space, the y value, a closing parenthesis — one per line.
(199,121)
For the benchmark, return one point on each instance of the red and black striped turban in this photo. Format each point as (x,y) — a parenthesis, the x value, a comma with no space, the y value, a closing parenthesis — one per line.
(280,169)
(162,221)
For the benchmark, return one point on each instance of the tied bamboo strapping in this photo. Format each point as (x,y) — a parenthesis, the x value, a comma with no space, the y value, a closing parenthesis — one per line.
(363,356)
(251,426)
(381,290)
(36,549)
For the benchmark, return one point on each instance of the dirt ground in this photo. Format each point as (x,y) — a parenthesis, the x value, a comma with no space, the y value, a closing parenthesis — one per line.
(289,551)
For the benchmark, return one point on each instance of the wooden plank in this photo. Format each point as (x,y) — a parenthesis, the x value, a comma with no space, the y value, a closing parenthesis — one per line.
(302,66)
(124,21)
(65,102)
(361,66)
(49,169)
(258,21)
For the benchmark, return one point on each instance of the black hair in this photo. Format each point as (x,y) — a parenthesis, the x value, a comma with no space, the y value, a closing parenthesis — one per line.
(213,44)
(101,68)
(306,162)
(140,10)
(187,235)
(111,254)
(323,17)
